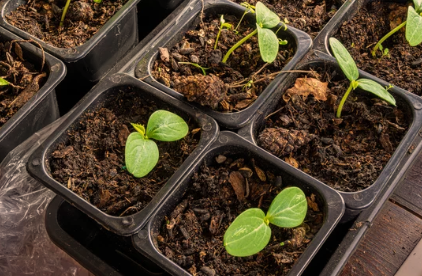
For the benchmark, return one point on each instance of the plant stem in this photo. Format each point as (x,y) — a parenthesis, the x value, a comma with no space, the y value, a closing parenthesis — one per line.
(64,13)
(374,50)
(238,24)
(343,100)
(218,36)
(226,57)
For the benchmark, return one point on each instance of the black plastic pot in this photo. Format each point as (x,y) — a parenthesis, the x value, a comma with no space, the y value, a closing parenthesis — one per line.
(105,92)
(169,4)
(41,109)
(99,251)
(228,144)
(188,20)
(100,53)
(412,104)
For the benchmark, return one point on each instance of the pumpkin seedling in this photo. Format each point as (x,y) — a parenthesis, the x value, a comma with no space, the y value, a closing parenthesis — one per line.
(250,232)
(349,68)
(141,152)
(223,25)
(267,39)
(413,28)
(196,65)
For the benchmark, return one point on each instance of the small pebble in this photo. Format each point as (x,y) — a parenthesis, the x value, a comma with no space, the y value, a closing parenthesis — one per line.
(208,271)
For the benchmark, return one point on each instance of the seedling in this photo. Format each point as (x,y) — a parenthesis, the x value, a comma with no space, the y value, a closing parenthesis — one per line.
(141,153)
(413,28)
(223,25)
(250,232)
(267,39)
(3,82)
(196,65)
(249,8)
(349,68)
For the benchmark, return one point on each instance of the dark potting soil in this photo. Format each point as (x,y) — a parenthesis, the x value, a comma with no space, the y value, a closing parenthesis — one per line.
(309,16)
(347,153)
(192,235)
(91,163)
(403,66)
(83,19)
(230,87)
(25,80)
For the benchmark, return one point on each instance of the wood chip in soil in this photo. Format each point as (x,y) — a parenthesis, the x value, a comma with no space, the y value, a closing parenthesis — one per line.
(348,153)
(192,234)
(83,19)
(227,88)
(403,66)
(91,162)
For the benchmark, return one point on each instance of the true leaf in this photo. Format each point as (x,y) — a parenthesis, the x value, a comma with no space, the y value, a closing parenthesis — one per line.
(413,27)
(288,208)
(166,126)
(139,128)
(345,60)
(418,5)
(268,44)
(376,89)
(3,82)
(265,18)
(141,155)
(248,234)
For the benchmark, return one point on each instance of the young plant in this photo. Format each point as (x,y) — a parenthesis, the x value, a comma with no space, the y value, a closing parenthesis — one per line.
(249,8)
(141,153)
(223,25)
(267,39)
(250,232)
(413,28)
(195,65)
(349,68)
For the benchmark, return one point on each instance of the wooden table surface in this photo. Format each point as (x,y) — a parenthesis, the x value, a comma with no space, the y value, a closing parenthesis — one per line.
(395,231)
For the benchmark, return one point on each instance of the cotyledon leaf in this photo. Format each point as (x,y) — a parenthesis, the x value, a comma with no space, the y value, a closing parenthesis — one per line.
(345,60)
(376,89)
(288,208)
(265,18)
(248,234)
(166,126)
(413,27)
(268,44)
(141,155)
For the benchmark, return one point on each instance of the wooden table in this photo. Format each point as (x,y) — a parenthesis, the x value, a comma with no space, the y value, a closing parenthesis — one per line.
(395,232)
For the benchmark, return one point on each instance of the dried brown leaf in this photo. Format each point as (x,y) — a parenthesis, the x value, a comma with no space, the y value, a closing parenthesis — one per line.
(311,203)
(238,183)
(307,86)
(292,161)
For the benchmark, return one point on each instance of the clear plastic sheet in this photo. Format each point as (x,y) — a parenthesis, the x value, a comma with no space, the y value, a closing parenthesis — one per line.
(25,248)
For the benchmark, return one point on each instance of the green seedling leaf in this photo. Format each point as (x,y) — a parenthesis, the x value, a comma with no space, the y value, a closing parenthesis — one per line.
(3,82)
(166,126)
(141,155)
(418,5)
(345,60)
(268,44)
(248,234)
(376,89)
(413,27)
(196,65)
(265,18)
(282,41)
(288,208)
(98,1)
(139,128)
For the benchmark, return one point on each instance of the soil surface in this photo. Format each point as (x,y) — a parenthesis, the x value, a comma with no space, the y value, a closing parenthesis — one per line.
(403,66)
(192,235)
(309,16)
(347,153)
(92,163)
(226,87)
(25,80)
(83,19)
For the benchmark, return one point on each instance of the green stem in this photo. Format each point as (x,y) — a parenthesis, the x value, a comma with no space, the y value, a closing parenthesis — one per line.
(218,36)
(238,24)
(226,57)
(343,100)
(64,13)
(374,50)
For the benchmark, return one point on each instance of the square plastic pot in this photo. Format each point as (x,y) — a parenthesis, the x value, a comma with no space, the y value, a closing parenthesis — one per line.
(105,92)
(411,104)
(85,241)
(100,53)
(229,143)
(188,20)
(41,109)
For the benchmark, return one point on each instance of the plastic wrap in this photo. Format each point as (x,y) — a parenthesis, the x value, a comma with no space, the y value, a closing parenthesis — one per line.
(25,248)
